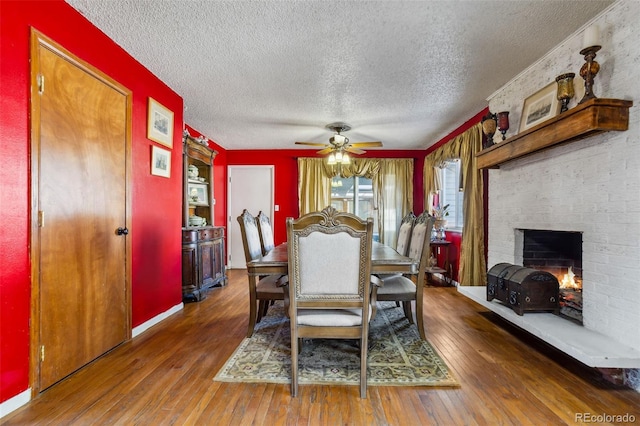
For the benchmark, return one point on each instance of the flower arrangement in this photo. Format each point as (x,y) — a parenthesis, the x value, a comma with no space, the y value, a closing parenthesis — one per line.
(441,212)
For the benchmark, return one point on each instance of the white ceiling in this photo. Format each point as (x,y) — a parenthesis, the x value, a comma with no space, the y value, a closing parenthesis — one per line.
(263,74)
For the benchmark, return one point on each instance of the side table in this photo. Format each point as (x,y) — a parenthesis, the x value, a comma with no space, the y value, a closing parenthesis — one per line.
(438,247)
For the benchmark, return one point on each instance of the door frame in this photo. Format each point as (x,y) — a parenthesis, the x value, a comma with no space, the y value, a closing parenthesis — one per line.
(39,40)
(231,216)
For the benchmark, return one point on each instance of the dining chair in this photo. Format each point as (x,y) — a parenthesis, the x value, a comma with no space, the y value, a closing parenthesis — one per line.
(266,232)
(404,233)
(405,289)
(403,240)
(329,285)
(266,290)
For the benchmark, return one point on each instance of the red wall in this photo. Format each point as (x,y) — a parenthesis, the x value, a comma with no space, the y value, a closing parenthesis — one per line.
(285,163)
(156,201)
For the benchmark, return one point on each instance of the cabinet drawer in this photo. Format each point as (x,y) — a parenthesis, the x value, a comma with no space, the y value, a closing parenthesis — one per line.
(218,232)
(189,236)
(205,234)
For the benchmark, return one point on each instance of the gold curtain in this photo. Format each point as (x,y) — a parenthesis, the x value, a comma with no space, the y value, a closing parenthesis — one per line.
(314,185)
(365,167)
(392,188)
(473,268)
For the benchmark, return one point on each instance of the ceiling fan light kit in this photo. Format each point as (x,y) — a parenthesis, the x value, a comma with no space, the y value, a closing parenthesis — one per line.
(338,157)
(339,145)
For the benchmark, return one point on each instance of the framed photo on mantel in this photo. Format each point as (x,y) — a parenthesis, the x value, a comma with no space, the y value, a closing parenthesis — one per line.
(539,107)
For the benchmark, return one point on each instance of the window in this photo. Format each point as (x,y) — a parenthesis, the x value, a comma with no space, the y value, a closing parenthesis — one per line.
(354,195)
(451,194)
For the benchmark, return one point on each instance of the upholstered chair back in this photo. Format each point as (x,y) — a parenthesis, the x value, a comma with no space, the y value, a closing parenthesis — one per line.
(327,255)
(329,264)
(250,236)
(404,233)
(421,230)
(266,232)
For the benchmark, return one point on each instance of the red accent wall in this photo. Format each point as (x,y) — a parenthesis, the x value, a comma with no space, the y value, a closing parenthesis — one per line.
(285,163)
(156,201)
(156,212)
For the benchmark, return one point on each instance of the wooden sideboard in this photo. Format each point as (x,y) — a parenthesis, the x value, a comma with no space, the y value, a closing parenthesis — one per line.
(203,261)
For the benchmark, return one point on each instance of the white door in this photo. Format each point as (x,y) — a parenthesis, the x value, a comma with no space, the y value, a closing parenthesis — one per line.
(251,188)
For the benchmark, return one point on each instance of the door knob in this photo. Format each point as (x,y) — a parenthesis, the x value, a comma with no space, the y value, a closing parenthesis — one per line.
(122,231)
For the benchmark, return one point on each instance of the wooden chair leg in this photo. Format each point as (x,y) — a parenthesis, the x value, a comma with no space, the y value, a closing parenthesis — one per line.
(406,305)
(252,314)
(294,363)
(420,319)
(363,368)
(259,312)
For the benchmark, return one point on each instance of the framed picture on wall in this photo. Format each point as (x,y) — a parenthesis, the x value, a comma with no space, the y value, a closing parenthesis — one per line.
(160,162)
(540,107)
(160,124)
(198,194)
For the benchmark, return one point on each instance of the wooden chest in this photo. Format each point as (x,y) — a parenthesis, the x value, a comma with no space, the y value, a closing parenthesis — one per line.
(523,289)
(497,279)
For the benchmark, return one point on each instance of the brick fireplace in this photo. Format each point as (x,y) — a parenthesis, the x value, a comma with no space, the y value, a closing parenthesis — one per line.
(517,201)
(590,186)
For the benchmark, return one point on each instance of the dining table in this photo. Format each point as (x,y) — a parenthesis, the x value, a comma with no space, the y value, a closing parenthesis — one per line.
(384,260)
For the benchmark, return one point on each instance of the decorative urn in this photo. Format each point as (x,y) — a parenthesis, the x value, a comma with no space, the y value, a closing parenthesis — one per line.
(193,172)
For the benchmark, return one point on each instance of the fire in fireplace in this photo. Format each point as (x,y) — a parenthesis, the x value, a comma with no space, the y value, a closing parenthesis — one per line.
(560,253)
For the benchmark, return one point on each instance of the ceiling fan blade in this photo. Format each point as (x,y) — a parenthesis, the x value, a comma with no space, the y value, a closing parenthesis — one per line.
(365,144)
(311,143)
(325,151)
(353,150)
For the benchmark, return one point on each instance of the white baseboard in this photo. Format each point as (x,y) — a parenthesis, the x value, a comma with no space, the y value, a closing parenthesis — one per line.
(12,404)
(155,320)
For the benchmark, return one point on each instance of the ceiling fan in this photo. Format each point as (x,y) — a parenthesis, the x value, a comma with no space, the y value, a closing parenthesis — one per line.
(339,145)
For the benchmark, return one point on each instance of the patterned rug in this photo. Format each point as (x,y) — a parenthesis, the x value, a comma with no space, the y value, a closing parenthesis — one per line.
(397,355)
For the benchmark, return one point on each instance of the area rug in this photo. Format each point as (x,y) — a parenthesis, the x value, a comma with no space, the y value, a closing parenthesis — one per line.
(397,355)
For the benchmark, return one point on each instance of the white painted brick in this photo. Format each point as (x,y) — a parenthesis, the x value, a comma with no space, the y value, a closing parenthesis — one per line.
(590,186)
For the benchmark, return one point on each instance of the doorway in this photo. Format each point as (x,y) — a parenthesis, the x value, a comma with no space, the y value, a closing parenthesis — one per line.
(251,188)
(80,251)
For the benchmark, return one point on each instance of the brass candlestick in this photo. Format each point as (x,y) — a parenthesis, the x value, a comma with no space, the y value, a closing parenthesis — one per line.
(565,89)
(589,71)
(489,126)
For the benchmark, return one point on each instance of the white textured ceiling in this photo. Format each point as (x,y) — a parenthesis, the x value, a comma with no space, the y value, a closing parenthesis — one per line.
(263,74)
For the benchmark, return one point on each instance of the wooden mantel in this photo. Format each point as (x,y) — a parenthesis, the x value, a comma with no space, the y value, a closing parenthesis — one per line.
(592,117)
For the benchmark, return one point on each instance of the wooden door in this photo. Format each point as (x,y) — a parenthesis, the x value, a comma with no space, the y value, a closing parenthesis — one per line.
(251,188)
(79,163)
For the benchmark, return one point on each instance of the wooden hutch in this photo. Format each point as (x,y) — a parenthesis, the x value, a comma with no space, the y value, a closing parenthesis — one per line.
(203,254)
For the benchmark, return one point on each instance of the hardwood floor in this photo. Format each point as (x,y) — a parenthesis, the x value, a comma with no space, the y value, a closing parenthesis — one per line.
(165,377)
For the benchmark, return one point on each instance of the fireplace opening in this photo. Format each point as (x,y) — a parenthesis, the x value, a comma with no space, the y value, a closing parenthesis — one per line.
(559,253)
